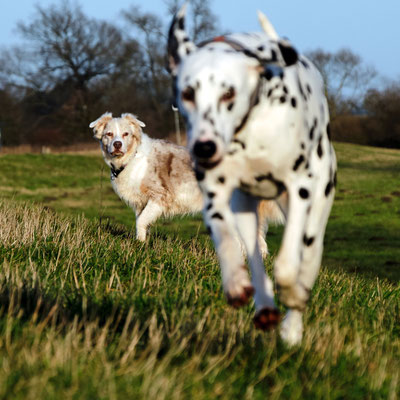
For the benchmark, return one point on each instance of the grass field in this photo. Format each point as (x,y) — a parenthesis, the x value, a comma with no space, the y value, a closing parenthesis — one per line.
(86,312)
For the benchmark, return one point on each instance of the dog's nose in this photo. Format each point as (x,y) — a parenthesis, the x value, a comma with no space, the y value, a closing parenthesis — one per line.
(204,149)
(117,145)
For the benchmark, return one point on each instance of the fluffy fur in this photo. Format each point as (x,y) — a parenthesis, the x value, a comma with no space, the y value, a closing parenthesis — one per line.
(155,177)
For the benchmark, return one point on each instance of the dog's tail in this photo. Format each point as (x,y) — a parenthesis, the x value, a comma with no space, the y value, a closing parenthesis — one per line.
(270,212)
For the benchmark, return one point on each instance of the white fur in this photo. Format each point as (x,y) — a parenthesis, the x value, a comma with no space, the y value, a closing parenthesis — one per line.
(258,119)
(157,179)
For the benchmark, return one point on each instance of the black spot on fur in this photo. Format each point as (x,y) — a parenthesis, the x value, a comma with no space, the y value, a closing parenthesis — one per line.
(230,106)
(304,64)
(217,215)
(280,186)
(239,142)
(315,123)
(293,101)
(308,241)
(298,162)
(301,90)
(270,92)
(285,89)
(304,193)
(209,230)
(211,195)
(260,48)
(312,132)
(308,87)
(181,24)
(200,175)
(319,148)
(303,146)
(282,99)
(268,74)
(329,186)
(274,56)
(328,131)
(209,206)
(221,179)
(289,54)
(207,116)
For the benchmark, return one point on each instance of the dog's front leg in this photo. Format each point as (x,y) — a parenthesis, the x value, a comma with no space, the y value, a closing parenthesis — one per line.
(244,207)
(150,213)
(288,261)
(219,219)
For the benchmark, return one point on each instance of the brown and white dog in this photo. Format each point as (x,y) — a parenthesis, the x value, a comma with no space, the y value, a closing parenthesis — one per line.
(155,177)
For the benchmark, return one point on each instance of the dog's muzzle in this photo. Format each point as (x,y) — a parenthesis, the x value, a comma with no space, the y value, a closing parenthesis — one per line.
(117,145)
(204,152)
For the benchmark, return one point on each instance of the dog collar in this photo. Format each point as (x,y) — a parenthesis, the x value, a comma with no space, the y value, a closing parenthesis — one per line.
(240,48)
(115,172)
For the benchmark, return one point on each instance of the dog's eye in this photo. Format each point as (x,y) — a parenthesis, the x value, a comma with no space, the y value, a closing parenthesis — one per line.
(228,95)
(125,134)
(109,134)
(188,94)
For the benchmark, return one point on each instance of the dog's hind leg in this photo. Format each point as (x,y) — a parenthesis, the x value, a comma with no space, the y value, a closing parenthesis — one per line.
(151,212)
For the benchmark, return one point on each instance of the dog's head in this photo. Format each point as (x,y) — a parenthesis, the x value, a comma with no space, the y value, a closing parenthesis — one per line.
(119,137)
(217,84)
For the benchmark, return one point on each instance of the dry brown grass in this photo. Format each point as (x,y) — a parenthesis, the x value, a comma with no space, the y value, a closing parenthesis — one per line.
(89,313)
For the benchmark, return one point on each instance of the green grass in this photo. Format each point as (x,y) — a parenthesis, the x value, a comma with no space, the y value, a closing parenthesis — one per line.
(86,312)
(362,233)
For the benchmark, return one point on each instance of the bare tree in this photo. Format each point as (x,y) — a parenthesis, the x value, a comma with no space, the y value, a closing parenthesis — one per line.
(383,121)
(64,53)
(65,44)
(345,76)
(148,29)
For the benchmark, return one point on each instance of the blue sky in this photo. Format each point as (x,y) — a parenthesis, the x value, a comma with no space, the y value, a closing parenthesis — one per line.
(368,27)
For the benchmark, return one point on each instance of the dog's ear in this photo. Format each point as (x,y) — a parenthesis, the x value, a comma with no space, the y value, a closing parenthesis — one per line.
(99,125)
(288,52)
(133,119)
(179,44)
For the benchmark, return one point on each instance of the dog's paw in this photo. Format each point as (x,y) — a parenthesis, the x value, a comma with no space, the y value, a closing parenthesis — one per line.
(295,297)
(291,330)
(267,318)
(238,289)
(240,299)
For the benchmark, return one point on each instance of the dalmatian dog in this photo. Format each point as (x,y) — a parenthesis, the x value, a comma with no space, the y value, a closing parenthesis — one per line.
(258,128)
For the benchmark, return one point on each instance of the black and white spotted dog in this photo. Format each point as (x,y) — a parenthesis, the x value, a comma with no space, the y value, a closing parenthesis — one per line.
(258,127)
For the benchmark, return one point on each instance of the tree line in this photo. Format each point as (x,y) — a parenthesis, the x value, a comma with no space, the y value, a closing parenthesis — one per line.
(70,68)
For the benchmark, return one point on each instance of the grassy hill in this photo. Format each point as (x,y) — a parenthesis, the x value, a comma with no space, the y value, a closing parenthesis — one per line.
(87,312)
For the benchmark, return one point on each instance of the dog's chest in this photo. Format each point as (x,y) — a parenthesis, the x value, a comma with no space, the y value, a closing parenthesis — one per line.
(129,183)
(256,170)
